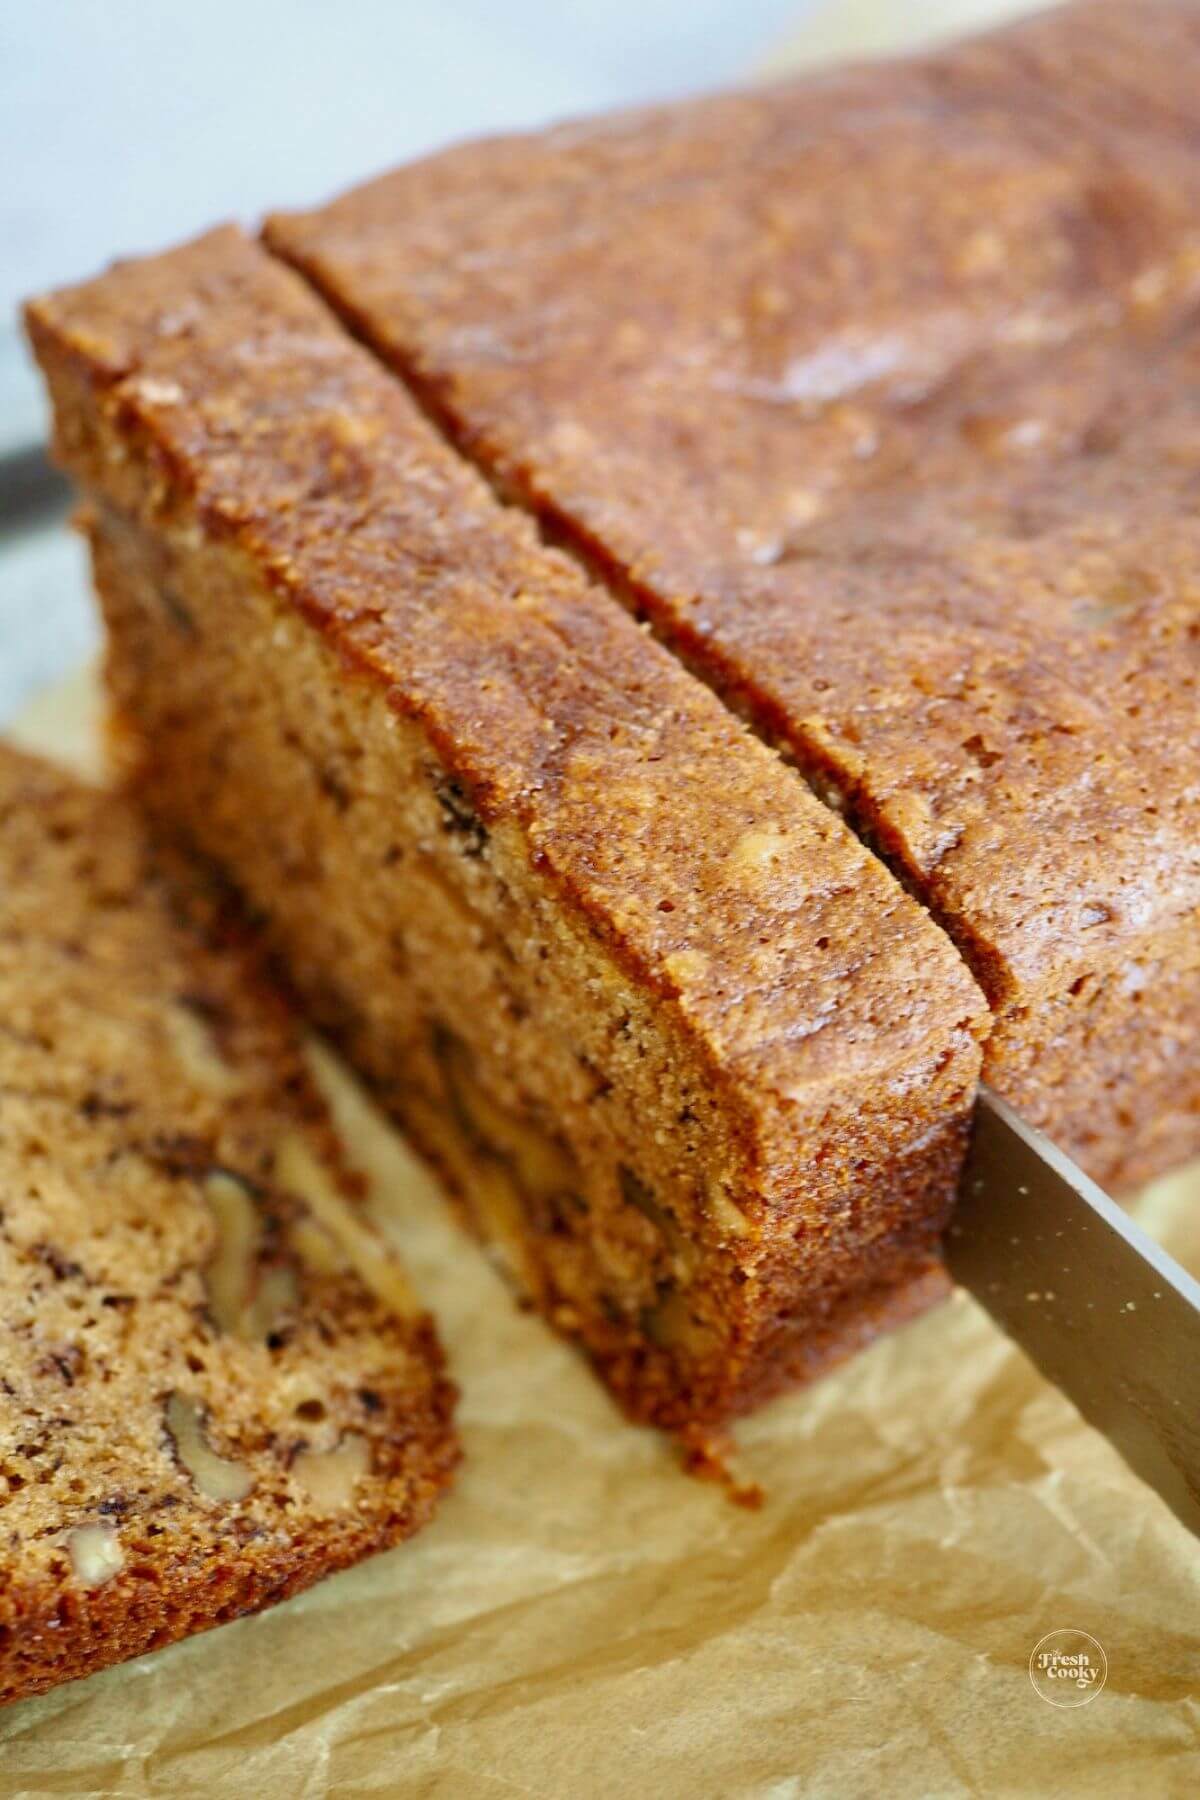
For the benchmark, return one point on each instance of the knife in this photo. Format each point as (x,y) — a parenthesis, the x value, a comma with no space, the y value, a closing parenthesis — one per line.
(1103,1311)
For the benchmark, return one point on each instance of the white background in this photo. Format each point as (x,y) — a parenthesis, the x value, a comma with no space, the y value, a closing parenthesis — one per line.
(126,125)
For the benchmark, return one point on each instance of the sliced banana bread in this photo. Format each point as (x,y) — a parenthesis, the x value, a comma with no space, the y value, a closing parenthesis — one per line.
(878,394)
(203,1405)
(698,1068)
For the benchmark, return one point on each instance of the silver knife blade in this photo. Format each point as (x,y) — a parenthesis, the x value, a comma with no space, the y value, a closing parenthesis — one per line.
(1106,1314)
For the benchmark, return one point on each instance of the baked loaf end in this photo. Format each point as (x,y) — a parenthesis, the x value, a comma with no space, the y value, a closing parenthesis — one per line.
(203,1408)
(878,394)
(696,1066)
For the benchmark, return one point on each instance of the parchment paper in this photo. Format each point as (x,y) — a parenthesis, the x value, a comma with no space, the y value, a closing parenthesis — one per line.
(582,1620)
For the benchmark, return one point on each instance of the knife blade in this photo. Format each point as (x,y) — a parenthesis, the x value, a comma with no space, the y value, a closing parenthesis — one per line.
(1105,1313)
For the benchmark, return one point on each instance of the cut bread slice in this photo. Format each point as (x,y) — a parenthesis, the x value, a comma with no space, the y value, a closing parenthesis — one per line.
(697,1067)
(204,1406)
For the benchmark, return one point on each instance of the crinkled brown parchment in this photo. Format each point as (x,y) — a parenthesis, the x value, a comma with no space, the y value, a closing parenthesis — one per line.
(584,1621)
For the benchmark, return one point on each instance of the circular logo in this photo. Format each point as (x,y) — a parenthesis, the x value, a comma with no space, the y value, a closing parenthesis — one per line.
(1068,1668)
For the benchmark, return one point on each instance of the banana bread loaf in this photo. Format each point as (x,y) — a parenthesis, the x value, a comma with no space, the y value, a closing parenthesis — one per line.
(697,1067)
(203,1407)
(878,394)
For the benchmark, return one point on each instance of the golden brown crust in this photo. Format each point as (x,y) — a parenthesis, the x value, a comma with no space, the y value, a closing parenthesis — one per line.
(540,698)
(531,836)
(877,394)
(160,1275)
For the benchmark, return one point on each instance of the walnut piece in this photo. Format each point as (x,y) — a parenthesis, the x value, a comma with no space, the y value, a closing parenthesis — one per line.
(277,1291)
(243,1298)
(298,1167)
(194,1048)
(671,1324)
(96,1554)
(329,1477)
(724,1211)
(216,1478)
(518,1166)
(230,1270)
(541,1164)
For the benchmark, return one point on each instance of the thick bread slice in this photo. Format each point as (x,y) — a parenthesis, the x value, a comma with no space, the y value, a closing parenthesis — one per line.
(203,1406)
(698,1067)
(877,393)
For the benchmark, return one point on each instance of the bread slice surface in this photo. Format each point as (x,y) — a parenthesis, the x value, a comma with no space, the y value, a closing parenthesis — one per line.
(204,1406)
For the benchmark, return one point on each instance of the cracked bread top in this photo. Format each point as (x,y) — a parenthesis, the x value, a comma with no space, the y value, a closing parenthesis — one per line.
(229,395)
(203,1405)
(877,393)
